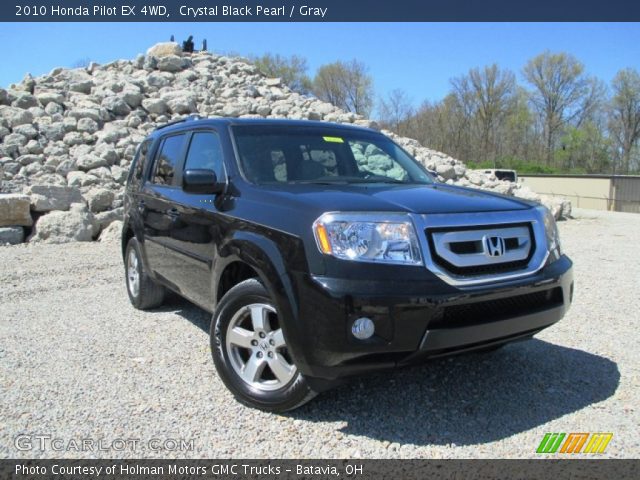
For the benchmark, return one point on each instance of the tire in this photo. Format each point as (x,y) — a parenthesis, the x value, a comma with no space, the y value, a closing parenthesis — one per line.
(249,351)
(144,293)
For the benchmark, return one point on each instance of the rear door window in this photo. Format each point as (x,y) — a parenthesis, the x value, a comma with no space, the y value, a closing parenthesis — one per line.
(167,159)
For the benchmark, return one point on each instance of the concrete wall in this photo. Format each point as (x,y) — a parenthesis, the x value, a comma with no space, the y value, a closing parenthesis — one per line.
(620,193)
(583,191)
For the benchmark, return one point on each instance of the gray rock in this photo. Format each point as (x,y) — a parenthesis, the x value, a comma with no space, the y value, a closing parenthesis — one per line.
(89,162)
(15,116)
(87,125)
(86,112)
(15,139)
(119,174)
(171,63)
(132,97)
(4,97)
(45,198)
(158,80)
(28,159)
(70,124)
(15,210)
(11,235)
(446,171)
(77,224)
(74,138)
(112,233)
(53,132)
(53,108)
(155,105)
(24,100)
(99,199)
(263,110)
(105,219)
(180,102)
(45,97)
(33,147)
(84,86)
(116,105)
(28,131)
(81,179)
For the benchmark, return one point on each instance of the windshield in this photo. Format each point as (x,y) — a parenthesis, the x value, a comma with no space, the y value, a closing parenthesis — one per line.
(288,155)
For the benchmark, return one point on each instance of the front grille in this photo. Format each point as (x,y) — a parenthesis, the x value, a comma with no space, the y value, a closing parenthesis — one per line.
(465,253)
(477,313)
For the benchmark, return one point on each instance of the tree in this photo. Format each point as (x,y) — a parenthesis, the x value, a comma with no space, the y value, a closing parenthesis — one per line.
(292,70)
(396,111)
(487,93)
(346,85)
(625,113)
(562,93)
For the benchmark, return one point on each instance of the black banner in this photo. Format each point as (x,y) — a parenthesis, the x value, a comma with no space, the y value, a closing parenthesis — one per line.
(584,469)
(316,10)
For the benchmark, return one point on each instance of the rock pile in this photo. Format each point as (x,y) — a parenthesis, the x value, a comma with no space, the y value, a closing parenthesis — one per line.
(67,138)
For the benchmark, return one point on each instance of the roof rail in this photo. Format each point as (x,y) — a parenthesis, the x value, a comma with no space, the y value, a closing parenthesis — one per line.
(190,118)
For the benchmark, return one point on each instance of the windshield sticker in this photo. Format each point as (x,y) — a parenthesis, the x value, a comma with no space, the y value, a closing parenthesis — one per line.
(333,139)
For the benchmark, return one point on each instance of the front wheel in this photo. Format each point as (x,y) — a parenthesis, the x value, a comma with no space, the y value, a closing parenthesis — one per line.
(250,351)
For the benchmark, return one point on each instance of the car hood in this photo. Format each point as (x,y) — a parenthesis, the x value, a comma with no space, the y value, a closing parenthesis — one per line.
(422,199)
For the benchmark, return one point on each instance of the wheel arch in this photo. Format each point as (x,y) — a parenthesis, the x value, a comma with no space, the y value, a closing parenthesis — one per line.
(248,252)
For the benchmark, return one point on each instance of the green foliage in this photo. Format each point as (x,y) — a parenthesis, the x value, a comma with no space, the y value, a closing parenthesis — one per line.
(346,85)
(292,70)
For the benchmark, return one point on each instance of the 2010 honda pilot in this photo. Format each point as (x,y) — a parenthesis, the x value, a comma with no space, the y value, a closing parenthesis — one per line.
(324,251)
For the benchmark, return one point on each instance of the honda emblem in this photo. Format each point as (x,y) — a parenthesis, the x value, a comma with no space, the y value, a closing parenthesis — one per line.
(493,246)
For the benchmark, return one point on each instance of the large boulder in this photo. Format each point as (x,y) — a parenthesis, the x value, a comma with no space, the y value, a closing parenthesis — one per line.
(15,116)
(164,49)
(77,224)
(99,199)
(15,210)
(45,198)
(105,219)
(112,233)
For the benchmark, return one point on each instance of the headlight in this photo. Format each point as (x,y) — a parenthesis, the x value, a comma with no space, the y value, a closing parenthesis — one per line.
(367,237)
(552,234)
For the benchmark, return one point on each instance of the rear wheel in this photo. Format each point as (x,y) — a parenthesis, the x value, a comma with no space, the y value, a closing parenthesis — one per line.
(250,351)
(143,292)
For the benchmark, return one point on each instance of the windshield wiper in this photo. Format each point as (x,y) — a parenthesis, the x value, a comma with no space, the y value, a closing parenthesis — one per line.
(378,180)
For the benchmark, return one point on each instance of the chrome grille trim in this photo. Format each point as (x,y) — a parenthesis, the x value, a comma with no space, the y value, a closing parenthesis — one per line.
(492,220)
(444,241)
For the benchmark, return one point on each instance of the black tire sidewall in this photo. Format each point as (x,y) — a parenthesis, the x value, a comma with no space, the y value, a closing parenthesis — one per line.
(133,245)
(282,399)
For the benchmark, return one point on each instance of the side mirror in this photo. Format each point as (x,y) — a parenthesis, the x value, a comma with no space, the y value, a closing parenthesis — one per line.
(201,181)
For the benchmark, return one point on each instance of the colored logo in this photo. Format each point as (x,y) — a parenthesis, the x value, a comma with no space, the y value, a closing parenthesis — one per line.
(574,443)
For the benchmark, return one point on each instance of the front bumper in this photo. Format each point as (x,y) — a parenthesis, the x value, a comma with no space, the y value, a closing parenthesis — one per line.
(416,320)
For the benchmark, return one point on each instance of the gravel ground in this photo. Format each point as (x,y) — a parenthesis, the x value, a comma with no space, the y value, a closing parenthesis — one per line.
(77,361)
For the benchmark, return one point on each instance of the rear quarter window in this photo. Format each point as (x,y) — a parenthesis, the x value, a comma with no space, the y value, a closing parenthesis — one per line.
(139,163)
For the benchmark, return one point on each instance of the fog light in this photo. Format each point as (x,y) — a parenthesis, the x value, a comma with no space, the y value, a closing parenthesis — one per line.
(363,328)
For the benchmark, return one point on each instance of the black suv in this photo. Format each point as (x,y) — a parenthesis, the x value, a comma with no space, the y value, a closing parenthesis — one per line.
(325,251)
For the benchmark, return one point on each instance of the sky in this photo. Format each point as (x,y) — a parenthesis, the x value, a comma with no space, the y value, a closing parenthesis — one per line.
(419,58)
